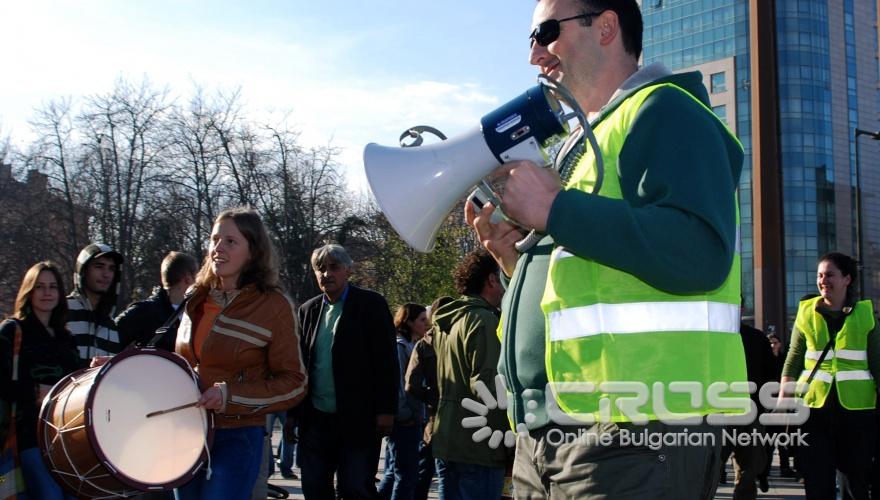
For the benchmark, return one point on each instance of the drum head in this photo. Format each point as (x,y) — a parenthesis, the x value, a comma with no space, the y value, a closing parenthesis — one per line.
(156,450)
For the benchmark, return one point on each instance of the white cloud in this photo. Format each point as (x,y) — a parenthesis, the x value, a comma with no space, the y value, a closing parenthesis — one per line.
(80,52)
(354,114)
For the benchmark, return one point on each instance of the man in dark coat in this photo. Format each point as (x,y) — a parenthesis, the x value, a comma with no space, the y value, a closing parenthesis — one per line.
(348,347)
(750,460)
(139,322)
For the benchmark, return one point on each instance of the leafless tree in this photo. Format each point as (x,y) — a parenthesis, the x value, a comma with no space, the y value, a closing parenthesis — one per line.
(5,143)
(147,175)
(194,175)
(125,137)
(55,153)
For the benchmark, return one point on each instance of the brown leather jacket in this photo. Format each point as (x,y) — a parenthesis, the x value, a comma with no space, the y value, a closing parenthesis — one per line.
(253,348)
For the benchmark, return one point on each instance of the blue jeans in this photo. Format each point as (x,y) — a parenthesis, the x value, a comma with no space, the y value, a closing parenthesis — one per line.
(461,481)
(402,464)
(286,450)
(440,470)
(40,484)
(426,471)
(388,468)
(236,456)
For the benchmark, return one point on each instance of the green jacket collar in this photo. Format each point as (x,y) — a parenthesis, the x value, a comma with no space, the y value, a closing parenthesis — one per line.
(654,74)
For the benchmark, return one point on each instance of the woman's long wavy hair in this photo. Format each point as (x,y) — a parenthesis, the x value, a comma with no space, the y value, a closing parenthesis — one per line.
(262,268)
(23,309)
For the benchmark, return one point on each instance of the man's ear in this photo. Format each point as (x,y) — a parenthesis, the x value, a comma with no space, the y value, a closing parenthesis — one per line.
(493,280)
(609,26)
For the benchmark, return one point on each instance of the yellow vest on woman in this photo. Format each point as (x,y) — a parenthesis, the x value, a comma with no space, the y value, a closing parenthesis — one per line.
(846,364)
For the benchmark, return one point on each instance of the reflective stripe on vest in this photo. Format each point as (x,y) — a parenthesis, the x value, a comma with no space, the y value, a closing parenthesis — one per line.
(846,366)
(605,325)
(854,375)
(842,376)
(820,375)
(842,354)
(702,316)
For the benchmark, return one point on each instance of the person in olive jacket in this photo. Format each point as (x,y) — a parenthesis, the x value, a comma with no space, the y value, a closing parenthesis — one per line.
(467,350)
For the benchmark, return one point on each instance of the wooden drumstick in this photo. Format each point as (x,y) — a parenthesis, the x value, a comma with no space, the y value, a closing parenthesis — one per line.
(169,410)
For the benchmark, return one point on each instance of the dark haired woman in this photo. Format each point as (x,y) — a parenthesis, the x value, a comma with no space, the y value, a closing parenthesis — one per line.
(402,450)
(842,392)
(239,332)
(46,355)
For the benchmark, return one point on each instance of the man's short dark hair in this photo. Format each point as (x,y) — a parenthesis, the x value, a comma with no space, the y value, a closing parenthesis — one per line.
(471,273)
(176,266)
(629,16)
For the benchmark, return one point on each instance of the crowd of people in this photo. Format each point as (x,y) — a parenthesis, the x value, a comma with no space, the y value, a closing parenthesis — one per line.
(237,330)
(369,375)
(372,375)
(635,279)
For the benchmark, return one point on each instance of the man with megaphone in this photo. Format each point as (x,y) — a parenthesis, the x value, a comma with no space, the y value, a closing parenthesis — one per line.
(636,285)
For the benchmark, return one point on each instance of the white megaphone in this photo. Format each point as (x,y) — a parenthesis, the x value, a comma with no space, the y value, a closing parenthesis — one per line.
(416,187)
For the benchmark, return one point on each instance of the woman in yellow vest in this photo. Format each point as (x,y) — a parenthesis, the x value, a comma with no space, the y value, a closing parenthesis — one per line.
(842,392)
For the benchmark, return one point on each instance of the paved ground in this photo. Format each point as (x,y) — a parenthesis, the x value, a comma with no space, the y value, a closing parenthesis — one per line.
(781,488)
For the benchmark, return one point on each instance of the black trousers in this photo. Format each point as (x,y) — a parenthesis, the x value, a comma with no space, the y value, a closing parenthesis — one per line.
(326,450)
(838,440)
(749,462)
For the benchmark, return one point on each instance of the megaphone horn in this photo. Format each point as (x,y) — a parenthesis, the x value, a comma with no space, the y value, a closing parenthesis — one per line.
(416,187)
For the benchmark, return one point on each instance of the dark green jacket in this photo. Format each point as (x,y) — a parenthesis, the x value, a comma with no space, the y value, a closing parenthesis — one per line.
(467,347)
(675,227)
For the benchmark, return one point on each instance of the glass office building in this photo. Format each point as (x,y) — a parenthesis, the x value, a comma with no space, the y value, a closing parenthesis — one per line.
(827,75)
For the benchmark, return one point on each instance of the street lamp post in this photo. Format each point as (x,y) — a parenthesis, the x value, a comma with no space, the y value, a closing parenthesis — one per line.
(875,136)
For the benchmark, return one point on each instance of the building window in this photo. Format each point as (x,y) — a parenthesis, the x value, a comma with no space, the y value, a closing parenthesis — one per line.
(721,111)
(717,83)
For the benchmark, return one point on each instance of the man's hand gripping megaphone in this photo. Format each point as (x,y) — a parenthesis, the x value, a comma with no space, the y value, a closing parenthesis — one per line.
(527,197)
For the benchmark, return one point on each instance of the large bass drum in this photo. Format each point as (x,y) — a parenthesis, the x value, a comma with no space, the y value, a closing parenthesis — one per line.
(96,437)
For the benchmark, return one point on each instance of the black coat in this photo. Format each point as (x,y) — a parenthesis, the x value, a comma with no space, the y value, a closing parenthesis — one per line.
(761,364)
(364,360)
(138,322)
(43,359)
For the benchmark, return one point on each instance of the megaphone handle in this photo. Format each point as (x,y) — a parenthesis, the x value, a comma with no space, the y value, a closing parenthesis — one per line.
(528,242)
(524,244)
(490,193)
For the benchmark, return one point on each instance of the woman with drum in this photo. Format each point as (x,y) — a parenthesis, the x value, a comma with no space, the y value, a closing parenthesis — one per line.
(835,358)
(46,354)
(239,332)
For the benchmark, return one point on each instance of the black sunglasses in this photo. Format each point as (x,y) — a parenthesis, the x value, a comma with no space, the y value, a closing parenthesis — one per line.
(548,31)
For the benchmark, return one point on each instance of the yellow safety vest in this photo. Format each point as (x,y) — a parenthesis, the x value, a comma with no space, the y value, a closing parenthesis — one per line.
(846,364)
(605,325)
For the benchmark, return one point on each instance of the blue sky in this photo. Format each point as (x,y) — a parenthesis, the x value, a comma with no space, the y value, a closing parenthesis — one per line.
(350,72)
